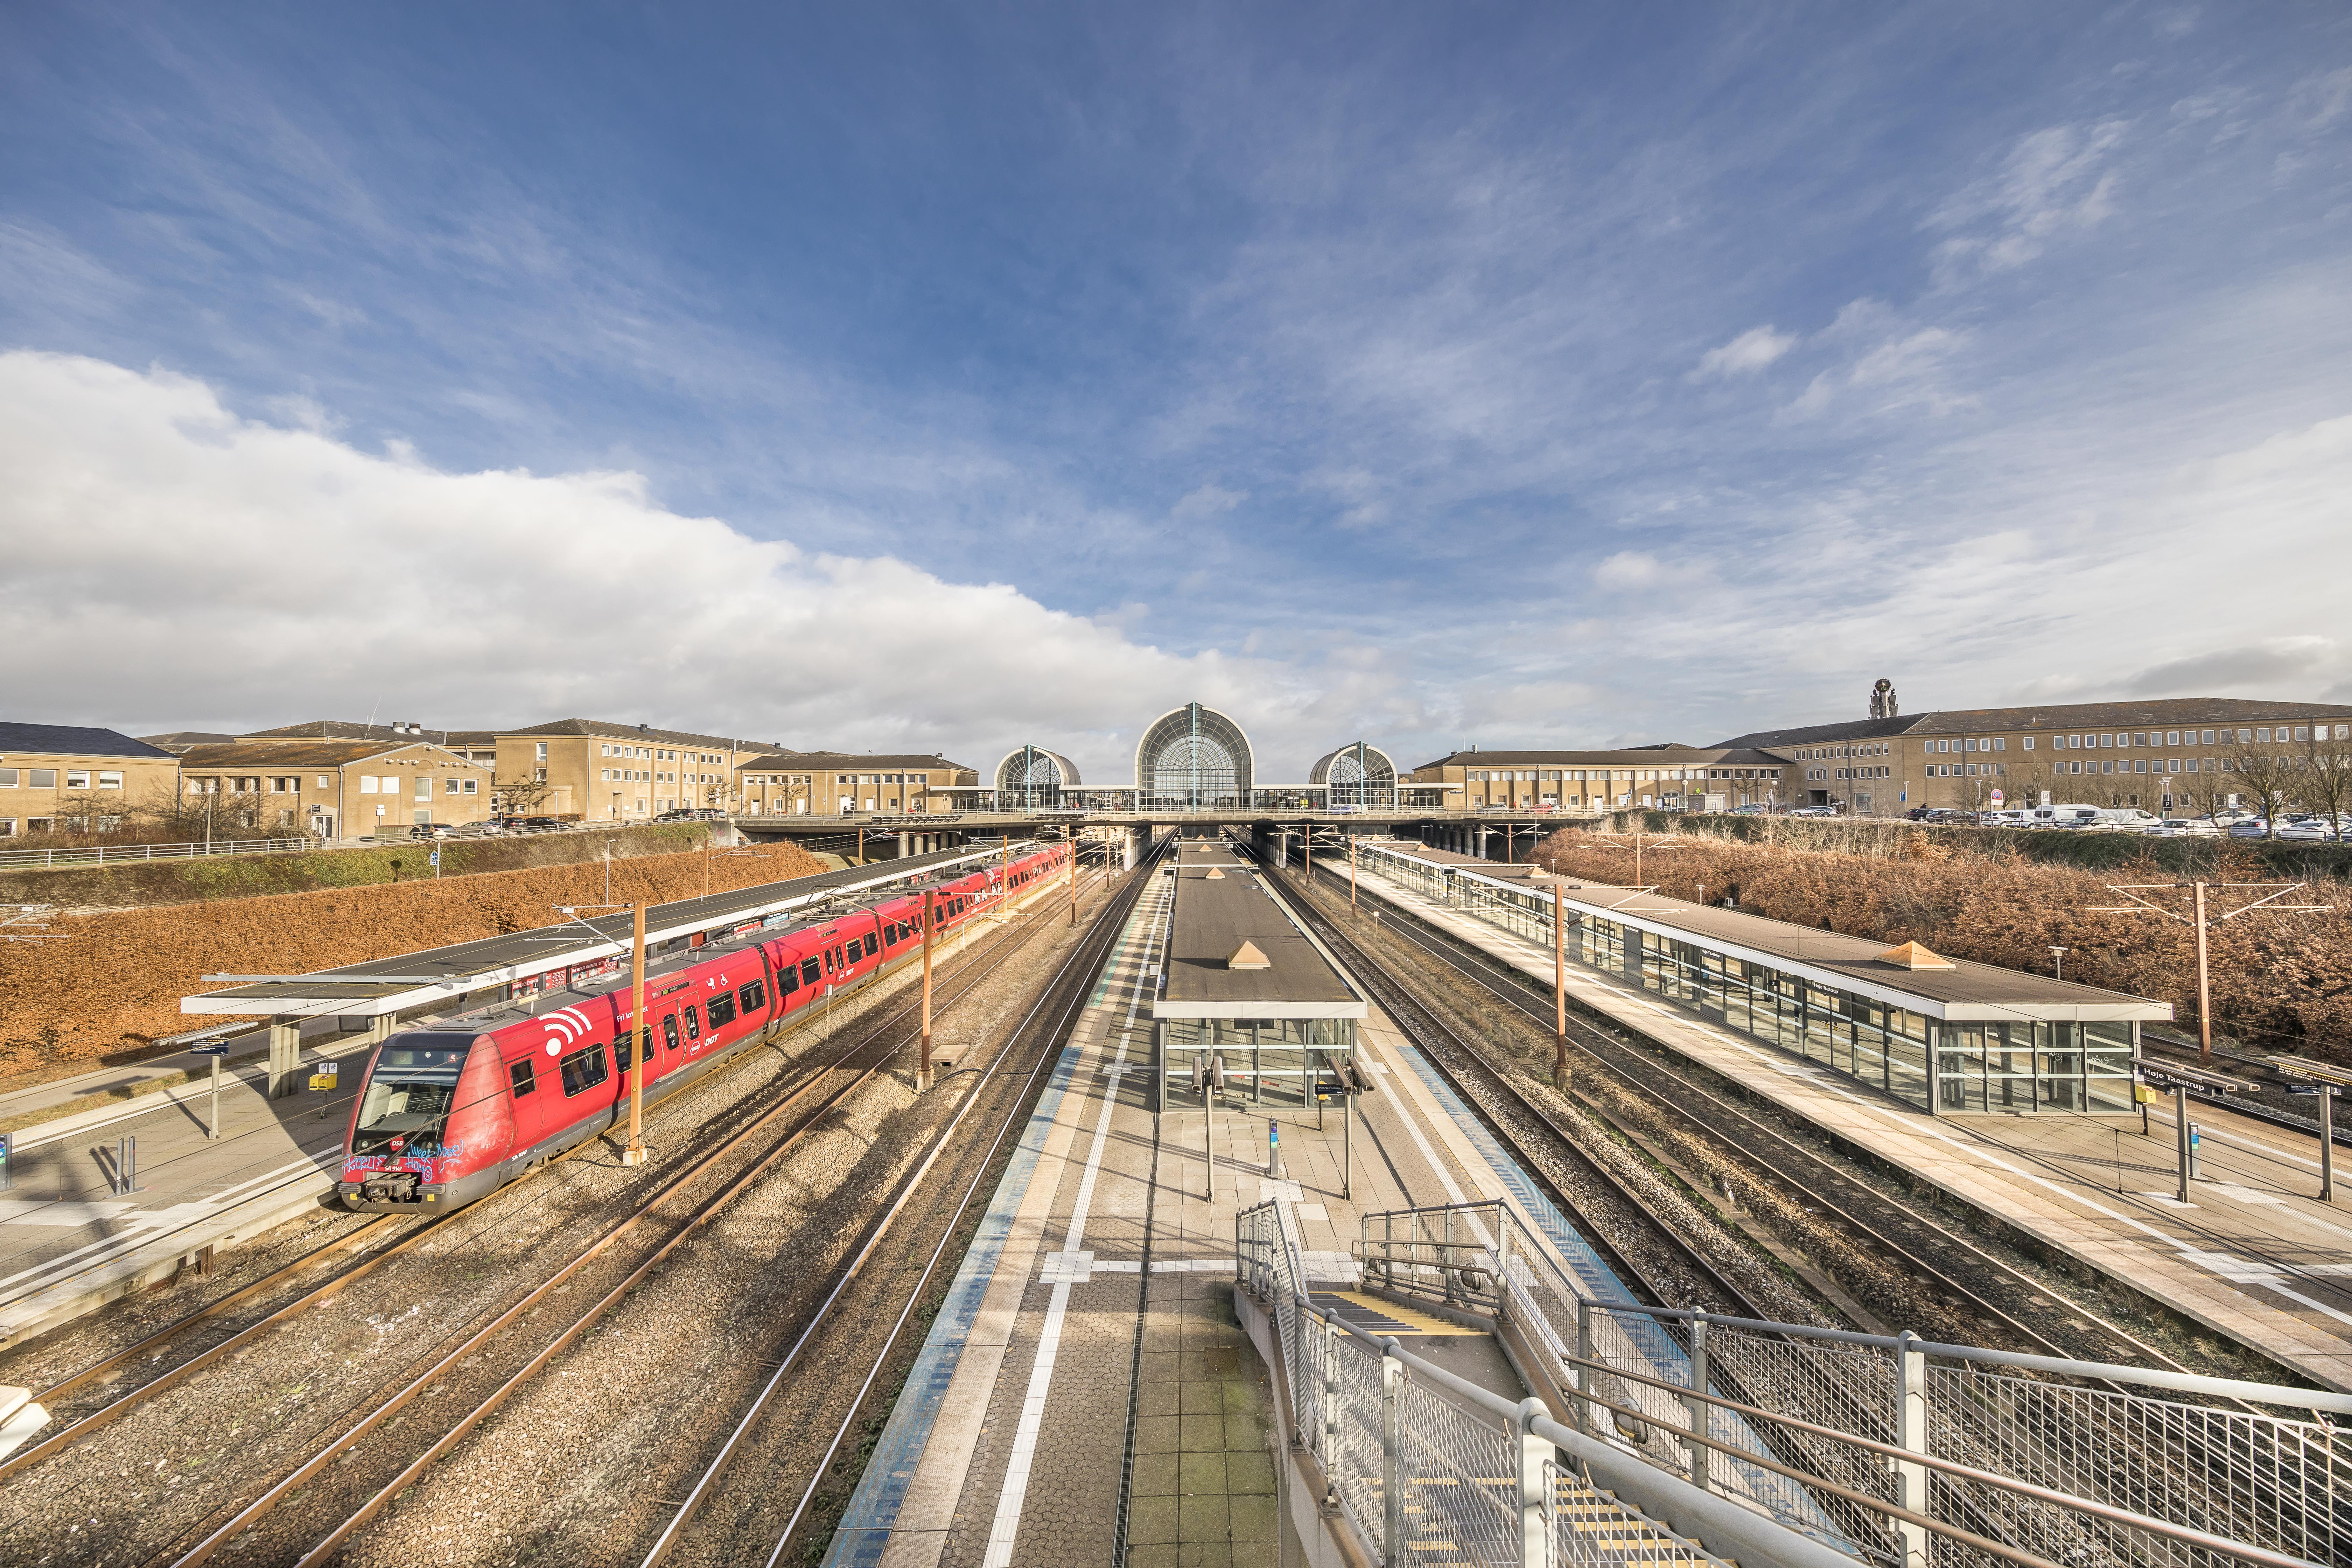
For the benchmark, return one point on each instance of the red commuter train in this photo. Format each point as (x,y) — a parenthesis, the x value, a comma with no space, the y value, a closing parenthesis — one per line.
(449,1115)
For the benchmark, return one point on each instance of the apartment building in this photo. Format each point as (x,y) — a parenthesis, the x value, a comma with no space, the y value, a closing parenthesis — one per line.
(839,784)
(1665,776)
(65,777)
(2173,754)
(593,771)
(351,789)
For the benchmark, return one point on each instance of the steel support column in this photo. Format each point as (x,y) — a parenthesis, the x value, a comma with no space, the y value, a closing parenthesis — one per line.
(285,1056)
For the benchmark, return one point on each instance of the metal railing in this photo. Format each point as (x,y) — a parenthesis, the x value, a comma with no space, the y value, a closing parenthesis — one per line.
(1900,1451)
(1426,1467)
(107,854)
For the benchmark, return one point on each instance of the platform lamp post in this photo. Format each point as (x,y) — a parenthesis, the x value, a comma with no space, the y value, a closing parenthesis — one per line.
(634,1154)
(1352,870)
(1073,876)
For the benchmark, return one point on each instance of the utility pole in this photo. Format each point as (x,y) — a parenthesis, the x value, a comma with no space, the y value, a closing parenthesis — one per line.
(923,1068)
(1352,870)
(634,1154)
(2197,918)
(1559,990)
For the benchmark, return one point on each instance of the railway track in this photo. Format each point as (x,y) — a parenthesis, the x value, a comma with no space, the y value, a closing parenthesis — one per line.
(715,1520)
(874,1044)
(795,1116)
(1707,1289)
(1985,1285)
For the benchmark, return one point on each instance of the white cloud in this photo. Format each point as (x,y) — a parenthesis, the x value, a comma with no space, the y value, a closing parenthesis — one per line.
(174,565)
(1209,501)
(1748,352)
(2053,183)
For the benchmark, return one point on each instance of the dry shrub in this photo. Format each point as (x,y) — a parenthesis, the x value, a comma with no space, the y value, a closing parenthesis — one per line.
(114,983)
(2281,982)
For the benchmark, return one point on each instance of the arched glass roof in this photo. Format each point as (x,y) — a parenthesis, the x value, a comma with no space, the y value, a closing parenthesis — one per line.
(1355,774)
(1033,768)
(1193,756)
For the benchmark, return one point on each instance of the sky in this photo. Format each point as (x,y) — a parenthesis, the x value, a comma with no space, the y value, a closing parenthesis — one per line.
(944,379)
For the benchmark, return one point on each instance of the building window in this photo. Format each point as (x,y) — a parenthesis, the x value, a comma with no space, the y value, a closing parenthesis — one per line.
(109,781)
(43,778)
(542,751)
(2027,742)
(8,778)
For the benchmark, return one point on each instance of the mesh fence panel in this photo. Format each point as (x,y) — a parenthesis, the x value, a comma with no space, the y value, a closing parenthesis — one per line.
(1358,1468)
(1461,1482)
(2270,1481)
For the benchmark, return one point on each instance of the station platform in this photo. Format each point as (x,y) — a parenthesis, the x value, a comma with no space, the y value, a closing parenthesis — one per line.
(2253,1256)
(1016,1439)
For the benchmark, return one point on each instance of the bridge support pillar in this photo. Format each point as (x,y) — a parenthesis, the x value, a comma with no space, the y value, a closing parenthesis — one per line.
(285,1056)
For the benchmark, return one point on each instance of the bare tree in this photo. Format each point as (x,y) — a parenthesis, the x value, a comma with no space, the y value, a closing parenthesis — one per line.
(2323,770)
(519,794)
(2265,770)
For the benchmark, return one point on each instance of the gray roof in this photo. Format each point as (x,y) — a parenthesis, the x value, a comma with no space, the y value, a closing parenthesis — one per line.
(1213,917)
(641,734)
(181,740)
(1667,756)
(73,741)
(854,761)
(2056,716)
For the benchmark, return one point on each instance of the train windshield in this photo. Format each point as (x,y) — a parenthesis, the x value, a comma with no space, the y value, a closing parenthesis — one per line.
(406,1107)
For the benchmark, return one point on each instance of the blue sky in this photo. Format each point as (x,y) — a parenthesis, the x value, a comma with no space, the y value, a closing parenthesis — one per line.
(949,378)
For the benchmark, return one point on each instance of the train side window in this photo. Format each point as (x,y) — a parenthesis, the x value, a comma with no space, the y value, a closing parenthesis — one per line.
(693,1023)
(669,1031)
(524,1076)
(723,1010)
(753,996)
(810,970)
(584,1070)
(622,1049)
(873,945)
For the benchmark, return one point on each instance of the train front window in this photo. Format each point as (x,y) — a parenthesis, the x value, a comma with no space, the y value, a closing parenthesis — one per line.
(406,1106)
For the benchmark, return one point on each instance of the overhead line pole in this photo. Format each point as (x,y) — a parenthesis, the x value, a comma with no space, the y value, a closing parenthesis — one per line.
(923,1068)
(2197,921)
(634,1154)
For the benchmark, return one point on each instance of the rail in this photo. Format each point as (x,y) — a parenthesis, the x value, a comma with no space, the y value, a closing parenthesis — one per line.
(1898,1450)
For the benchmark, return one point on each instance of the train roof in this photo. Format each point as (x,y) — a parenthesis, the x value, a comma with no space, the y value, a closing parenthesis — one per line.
(449,975)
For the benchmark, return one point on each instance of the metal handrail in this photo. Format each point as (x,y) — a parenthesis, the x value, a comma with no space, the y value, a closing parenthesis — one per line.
(2088,1371)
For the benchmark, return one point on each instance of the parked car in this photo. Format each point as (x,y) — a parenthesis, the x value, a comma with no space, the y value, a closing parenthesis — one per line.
(2317,829)
(2002,819)
(2234,816)
(536,823)
(2250,827)
(2182,827)
(432,830)
(1748,811)
(1812,811)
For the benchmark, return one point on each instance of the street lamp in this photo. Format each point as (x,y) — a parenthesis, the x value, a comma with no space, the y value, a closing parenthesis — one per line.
(2058,968)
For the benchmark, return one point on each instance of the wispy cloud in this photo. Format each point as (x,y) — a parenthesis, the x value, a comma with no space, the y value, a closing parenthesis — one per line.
(2055,182)
(1748,352)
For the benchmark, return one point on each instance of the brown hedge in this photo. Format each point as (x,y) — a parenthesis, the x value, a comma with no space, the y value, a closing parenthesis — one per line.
(114,983)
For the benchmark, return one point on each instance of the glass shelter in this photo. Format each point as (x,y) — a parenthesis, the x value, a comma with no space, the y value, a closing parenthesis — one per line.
(1943,1036)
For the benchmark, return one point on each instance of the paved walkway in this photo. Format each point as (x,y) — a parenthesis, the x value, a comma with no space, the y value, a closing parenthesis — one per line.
(1009,1445)
(2254,1256)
